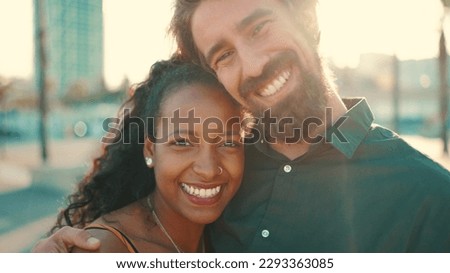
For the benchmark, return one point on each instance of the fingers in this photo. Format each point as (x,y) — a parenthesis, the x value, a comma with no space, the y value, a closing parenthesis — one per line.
(64,239)
(80,238)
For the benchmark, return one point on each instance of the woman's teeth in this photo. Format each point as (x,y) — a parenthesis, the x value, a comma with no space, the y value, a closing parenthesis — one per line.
(200,192)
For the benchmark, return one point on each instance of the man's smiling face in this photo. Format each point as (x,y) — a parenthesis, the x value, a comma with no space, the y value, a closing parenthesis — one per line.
(261,56)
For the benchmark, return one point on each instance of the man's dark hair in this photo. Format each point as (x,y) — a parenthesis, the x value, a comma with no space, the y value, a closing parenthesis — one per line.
(181,25)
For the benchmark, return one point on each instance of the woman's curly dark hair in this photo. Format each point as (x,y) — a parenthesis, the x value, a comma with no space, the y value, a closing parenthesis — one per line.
(120,176)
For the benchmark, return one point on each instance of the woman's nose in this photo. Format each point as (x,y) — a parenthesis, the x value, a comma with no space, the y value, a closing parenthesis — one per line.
(206,164)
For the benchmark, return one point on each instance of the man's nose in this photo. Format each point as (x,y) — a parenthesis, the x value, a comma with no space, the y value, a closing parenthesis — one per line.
(252,62)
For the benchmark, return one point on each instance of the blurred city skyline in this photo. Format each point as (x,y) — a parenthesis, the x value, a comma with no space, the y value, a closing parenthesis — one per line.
(135,34)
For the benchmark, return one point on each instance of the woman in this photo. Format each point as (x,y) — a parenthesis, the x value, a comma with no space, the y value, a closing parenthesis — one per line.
(172,168)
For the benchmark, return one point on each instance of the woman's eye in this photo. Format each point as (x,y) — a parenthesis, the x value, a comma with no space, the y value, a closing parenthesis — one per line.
(230,144)
(182,142)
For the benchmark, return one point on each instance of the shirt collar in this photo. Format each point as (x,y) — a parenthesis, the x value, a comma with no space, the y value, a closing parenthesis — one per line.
(354,129)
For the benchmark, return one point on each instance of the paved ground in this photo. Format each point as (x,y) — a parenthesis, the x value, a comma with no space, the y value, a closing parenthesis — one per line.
(31,192)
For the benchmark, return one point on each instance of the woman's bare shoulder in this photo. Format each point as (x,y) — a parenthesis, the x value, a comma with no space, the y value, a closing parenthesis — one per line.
(133,222)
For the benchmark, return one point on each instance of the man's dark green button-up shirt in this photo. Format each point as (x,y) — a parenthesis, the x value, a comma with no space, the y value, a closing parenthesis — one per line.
(372,193)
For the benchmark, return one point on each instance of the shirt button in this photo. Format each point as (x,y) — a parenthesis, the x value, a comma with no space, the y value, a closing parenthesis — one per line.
(265,233)
(287,168)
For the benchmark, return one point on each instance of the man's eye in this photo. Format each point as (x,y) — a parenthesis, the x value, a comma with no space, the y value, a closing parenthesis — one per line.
(259,27)
(223,57)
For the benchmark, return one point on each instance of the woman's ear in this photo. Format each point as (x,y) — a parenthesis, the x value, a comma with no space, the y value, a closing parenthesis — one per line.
(149,148)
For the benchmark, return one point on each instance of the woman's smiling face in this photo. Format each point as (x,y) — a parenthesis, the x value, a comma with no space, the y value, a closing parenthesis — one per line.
(198,154)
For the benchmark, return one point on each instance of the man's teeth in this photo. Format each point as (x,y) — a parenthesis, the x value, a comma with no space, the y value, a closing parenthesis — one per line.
(200,192)
(275,85)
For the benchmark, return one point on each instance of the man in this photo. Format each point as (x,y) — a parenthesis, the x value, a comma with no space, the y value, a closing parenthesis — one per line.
(320,176)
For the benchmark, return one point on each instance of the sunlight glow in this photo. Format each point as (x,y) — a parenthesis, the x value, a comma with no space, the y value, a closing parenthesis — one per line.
(16,38)
(135,33)
(407,28)
(135,37)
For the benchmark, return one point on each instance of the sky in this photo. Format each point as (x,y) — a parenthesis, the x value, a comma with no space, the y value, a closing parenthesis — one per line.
(135,33)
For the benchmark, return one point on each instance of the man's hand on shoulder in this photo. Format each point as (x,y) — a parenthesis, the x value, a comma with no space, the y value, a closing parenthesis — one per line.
(65,239)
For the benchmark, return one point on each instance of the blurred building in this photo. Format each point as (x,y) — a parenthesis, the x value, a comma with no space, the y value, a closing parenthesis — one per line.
(74,46)
(418,91)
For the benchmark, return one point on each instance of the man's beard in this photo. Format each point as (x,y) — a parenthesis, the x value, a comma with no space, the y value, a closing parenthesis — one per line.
(308,100)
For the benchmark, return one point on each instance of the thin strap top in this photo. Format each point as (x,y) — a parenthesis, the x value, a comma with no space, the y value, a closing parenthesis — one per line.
(122,237)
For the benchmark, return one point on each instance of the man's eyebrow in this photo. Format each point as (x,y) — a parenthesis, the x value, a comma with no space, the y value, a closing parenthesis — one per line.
(255,15)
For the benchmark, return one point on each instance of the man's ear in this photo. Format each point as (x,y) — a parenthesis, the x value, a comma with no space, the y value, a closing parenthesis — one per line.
(149,152)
